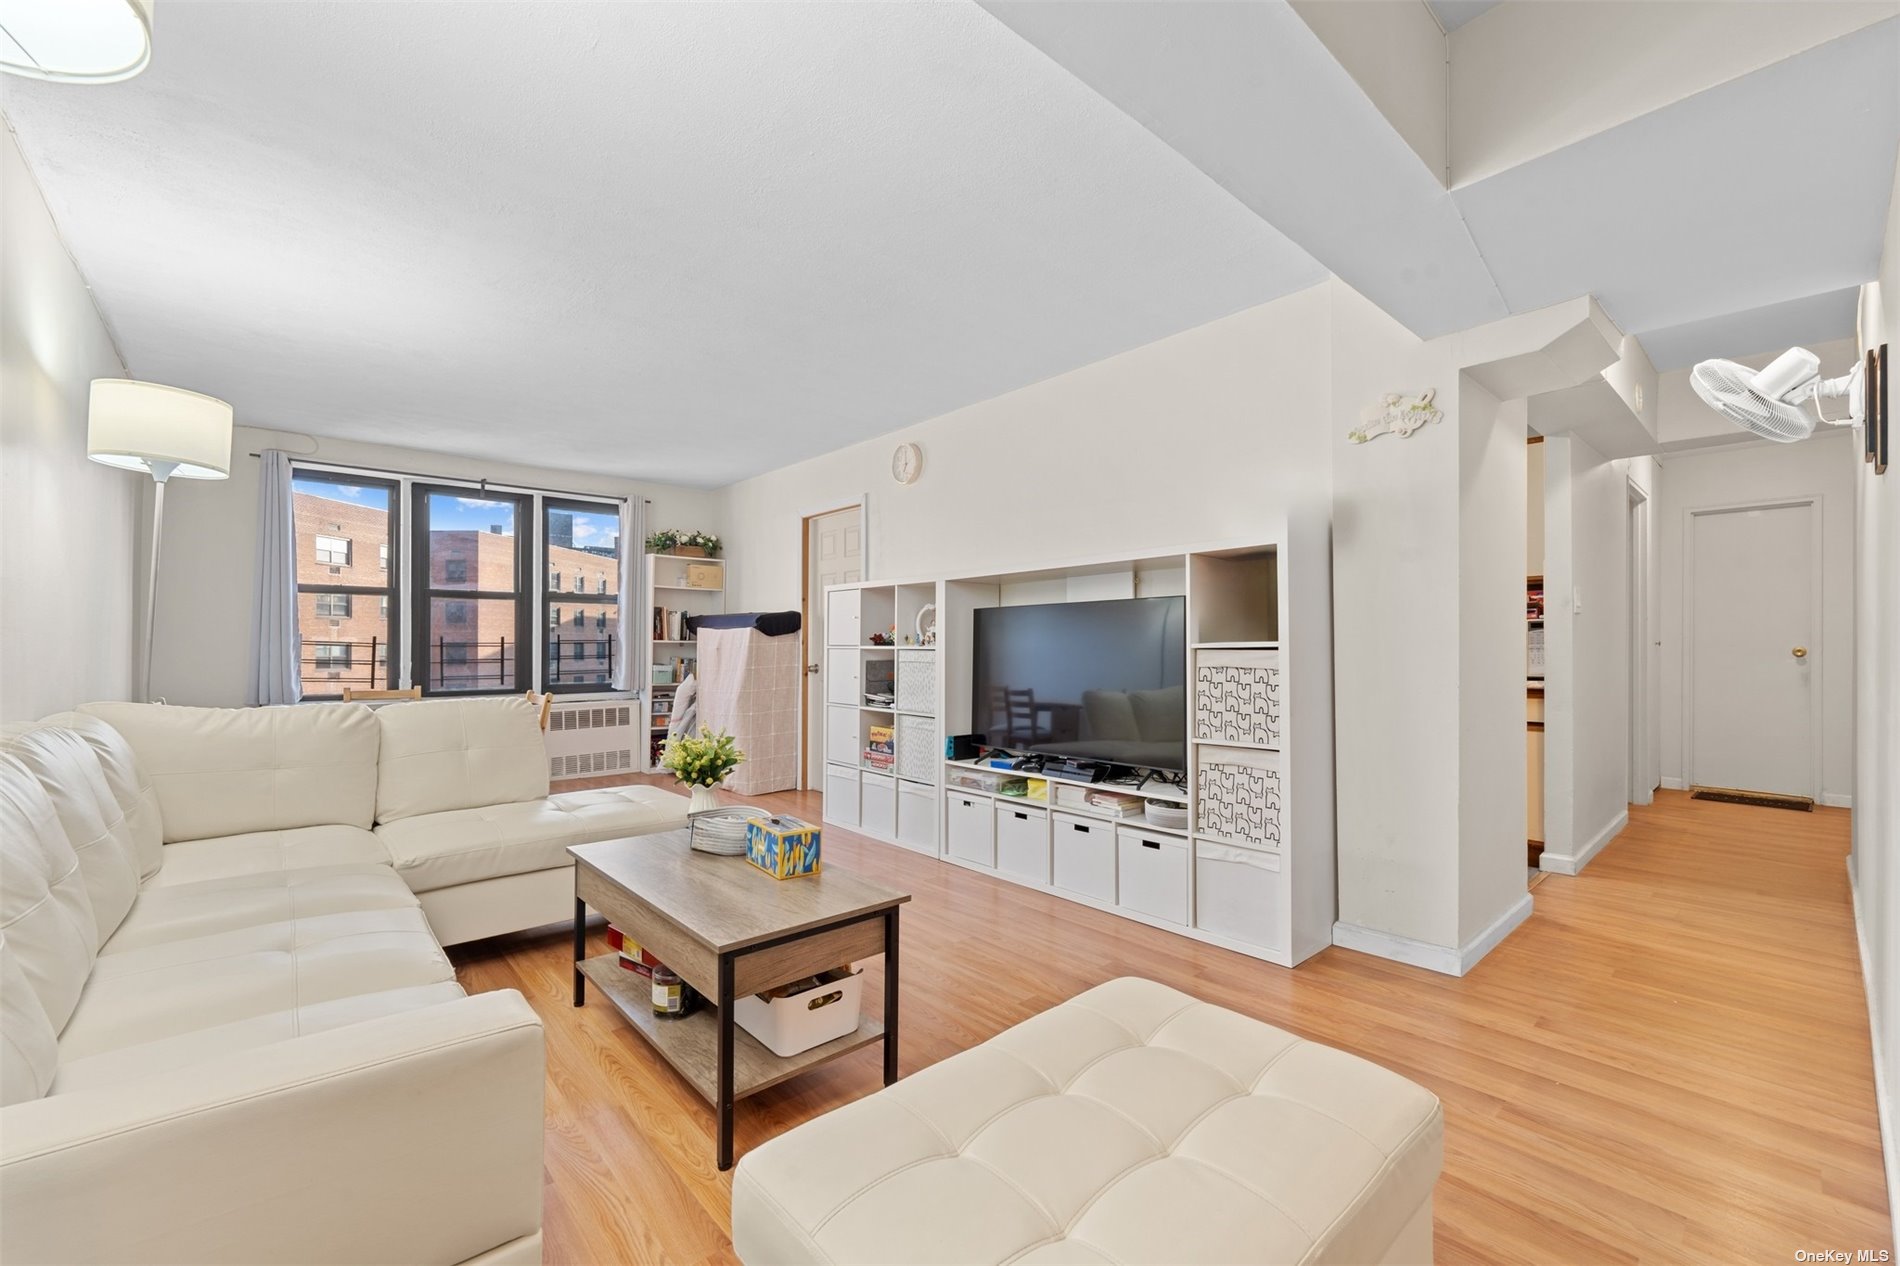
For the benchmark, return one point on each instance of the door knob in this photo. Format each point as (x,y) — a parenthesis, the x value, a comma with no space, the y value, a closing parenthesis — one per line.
(813,668)
(1800,652)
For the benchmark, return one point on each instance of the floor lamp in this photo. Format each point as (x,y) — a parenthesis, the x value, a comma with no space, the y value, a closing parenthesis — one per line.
(166,432)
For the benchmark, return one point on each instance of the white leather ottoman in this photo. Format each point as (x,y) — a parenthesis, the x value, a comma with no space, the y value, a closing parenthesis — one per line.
(1131,1124)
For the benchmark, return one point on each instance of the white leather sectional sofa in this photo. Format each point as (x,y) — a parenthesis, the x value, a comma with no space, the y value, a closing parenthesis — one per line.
(228,1032)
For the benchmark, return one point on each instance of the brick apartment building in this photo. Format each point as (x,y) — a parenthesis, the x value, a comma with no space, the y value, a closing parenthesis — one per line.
(345,600)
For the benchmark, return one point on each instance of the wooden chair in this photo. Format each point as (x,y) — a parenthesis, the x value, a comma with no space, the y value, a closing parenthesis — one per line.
(547,703)
(357,694)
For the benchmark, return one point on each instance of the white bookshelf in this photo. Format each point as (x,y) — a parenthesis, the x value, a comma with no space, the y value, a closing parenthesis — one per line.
(671,657)
(1253,868)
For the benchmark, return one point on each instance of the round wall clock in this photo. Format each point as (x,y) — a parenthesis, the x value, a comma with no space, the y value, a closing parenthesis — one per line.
(907,463)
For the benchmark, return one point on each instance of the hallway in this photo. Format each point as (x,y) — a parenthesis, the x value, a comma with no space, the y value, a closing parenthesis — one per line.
(1668,1062)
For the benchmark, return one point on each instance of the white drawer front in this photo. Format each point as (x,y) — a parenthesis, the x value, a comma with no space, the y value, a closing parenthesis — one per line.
(842,681)
(1082,856)
(841,795)
(1240,893)
(841,734)
(1237,697)
(1022,840)
(1238,796)
(842,616)
(969,831)
(877,800)
(917,817)
(1152,874)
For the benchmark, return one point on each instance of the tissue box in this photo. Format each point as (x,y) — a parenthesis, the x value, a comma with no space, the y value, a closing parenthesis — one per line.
(782,847)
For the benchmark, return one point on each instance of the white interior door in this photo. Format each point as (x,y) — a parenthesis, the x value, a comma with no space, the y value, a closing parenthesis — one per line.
(834,555)
(1752,646)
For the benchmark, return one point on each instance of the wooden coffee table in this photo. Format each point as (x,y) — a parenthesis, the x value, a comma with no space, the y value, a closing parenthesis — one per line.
(729,929)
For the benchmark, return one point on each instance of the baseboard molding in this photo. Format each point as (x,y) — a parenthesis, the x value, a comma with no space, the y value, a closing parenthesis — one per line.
(1675,784)
(1573,863)
(1883,1105)
(1837,801)
(1439,958)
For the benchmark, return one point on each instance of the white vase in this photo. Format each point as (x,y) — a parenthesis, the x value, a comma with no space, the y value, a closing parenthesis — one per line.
(702,799)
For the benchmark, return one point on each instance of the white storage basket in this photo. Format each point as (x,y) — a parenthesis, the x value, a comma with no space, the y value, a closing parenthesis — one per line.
(919,752)
(1237,697)
(917,681)
(797,1022)
(1239,796)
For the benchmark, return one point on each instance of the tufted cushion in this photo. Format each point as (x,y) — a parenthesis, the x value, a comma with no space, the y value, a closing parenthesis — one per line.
(443,754)
(440,850)
(138,799)
(1130,1124)
(29,1049)
(45,911)
(186,911)
(227,771)
(68,771)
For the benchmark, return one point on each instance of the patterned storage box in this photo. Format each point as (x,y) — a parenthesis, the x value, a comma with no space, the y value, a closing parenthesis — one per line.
(1238,796)
(917,681)
(918,749)
(782,847)
(1237,697)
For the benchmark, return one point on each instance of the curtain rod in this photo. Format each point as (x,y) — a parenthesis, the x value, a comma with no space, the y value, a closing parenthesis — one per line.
(306,459)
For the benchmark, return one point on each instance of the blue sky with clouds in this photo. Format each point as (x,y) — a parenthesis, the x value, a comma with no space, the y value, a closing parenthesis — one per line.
(452,513)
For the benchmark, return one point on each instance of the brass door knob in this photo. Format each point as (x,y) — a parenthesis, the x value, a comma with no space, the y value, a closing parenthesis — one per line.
(1800,652)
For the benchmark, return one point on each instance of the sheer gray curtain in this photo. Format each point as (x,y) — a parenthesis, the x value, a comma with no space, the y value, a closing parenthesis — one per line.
(627,674)
(276,648)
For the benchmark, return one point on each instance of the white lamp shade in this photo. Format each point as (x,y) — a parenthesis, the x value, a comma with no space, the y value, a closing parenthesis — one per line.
(142,425)
(75,41)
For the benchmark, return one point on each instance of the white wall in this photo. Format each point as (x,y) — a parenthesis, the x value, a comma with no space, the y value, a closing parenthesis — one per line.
(1586,652)
(1198,437)
(67,525)
(202,653)
(1876,861)
(1823,466)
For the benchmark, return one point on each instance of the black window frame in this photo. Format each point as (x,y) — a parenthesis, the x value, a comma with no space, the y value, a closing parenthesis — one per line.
(423,593)
(576,602)
(390,589)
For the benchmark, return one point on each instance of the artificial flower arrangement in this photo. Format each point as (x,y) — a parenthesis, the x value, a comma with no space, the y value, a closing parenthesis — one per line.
(674,541)
(702,762)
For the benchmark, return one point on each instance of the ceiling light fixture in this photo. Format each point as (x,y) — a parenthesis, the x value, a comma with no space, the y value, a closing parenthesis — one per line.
(75,41)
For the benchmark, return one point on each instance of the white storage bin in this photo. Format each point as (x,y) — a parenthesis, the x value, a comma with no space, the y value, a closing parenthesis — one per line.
(842,617)
(1239,796)
(1022,840)
(797,1022)
(919,751)
(1082,855)
(1240,893)
(1152,875)
(877,799)
(969,833)
(917,681)
(843,680)
(1237,697)
(841,795)
(917,817)
(842,744)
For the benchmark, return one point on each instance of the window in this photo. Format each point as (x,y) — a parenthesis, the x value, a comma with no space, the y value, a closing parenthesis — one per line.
(345,642)
(472,592)
(581,541)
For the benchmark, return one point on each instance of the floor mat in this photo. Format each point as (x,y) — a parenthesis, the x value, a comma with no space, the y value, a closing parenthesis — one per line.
(1763,799)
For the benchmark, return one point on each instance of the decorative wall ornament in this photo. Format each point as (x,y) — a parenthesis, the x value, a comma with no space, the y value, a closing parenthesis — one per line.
(1396,415)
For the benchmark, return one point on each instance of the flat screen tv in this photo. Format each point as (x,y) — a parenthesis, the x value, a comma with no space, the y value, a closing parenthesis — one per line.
(1095,681)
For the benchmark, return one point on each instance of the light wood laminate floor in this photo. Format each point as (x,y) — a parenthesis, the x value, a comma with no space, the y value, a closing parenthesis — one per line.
(1668,1063)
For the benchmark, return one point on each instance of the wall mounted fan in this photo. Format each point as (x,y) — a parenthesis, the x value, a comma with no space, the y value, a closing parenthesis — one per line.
(1769,401)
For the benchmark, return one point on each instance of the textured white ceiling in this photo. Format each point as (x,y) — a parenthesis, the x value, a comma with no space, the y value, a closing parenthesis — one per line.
(687,242)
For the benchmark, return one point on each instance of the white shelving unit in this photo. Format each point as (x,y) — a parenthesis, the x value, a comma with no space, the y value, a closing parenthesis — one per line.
(1253,868)
(895,801)
(673,656)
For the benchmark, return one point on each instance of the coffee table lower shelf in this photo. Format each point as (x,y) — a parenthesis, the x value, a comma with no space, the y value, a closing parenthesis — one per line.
(690,1043)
